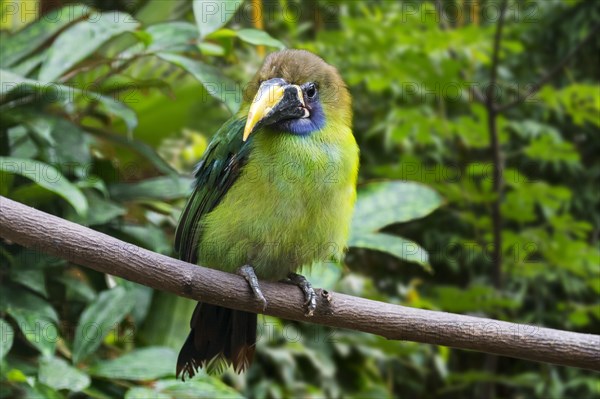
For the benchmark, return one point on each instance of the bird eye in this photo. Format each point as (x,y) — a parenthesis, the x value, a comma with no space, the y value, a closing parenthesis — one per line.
(311,90)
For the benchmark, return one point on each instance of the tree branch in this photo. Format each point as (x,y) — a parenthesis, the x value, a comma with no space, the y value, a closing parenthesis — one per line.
(58,237)
(553,72)
(496,54)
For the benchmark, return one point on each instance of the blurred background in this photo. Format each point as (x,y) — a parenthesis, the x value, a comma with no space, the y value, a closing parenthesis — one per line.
(107,105)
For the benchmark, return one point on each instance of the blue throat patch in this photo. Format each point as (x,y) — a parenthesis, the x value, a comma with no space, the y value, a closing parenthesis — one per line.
(305,126)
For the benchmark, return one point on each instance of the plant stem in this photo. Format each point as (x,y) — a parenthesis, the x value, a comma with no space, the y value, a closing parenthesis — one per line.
(497,156)
(491,361)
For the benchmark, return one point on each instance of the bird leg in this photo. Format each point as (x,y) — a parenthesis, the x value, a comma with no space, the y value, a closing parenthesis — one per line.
(247,271)
(307,289)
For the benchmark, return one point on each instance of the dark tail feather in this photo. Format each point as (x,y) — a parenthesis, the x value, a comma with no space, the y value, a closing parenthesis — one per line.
(218,337)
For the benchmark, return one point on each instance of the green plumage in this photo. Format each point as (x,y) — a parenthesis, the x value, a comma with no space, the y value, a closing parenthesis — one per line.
(215,173)
(283,202)
(277,202)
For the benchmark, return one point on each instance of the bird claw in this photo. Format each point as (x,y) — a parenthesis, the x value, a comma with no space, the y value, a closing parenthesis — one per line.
(247,271)
(309,293)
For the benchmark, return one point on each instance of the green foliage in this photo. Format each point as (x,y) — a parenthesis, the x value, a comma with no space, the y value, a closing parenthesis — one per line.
(104,113)
(82,39)
(58,374)
(382,204)
(411,73)
(41,92)
(46,177)
(29,39)
(7,334)
(206,75)
(72,84)
(138,365)
(259,37)
(201,387)
(208,20)
(95,322)
(34,316)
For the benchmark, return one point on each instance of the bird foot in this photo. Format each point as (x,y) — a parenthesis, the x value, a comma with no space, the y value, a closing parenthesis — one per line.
(309,293)
(247,272)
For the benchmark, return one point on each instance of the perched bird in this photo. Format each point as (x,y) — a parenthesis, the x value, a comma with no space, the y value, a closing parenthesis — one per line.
(274,192)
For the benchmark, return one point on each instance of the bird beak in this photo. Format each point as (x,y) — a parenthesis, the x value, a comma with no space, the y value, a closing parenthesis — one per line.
(275,101)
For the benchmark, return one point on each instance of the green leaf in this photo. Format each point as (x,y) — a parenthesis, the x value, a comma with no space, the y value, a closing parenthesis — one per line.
(210,15)
(40,127)
(28,270)
(104,210)
(7,335)
(11,83)
(15,375)
(172,37)
(98,319)
(214,82)
(211,49)
(34,316)
(162,326)
(73,145)
(259,37)
(141,148)
(73,152)
(474,298)
(12,298)
(81,40)
(578,100)
(520,203)
(142,296)
(531,129)
(579,318)
(145,393)
(32,194)
(44,391)
(393,245)
(31,278)
(48,177)
(381,204)
(139,365)
(21,144)
(29,64)
(159,188)
(154,11)
(549,149)
(26,41)
(384,203)
(324,275)
(151,237)
(77,289)
(200,387)
(472,128)
(222,34)
(58,374)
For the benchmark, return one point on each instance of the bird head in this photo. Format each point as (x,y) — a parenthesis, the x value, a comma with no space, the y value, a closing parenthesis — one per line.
(295,92)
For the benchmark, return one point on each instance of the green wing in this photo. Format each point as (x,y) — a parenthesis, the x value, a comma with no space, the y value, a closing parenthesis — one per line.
(218,169)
